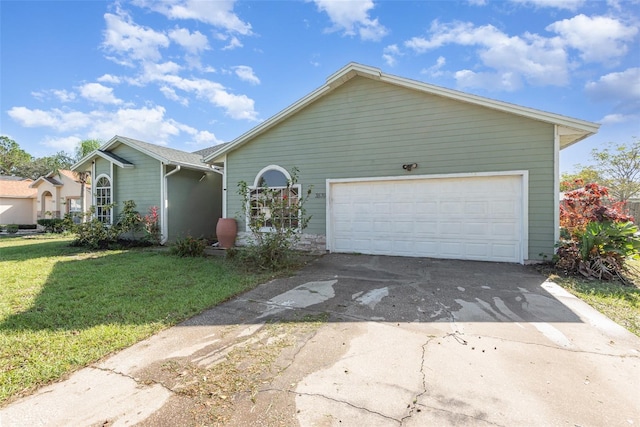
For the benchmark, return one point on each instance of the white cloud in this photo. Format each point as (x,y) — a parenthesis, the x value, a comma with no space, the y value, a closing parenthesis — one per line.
(614,119)
(436,69)
(234,43)
(538,60)
(245,73)
(194,43)
(147,123)
(506,81)
(599,38)
(558,4)
(59,120)
(64,95)
(207,138)
(109,78)
(623,88)
(131,41)
(171,94)
(95,92)
(218,13)
(352,17)
(390,53)
(67,144)
(235,106)
(61,95)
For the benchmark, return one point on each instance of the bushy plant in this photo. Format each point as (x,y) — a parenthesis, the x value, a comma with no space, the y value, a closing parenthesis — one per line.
(188,246)
(12,228)
(275,218)
(95,234)
(151,223)
(588,204)
(596,237)
(53,225)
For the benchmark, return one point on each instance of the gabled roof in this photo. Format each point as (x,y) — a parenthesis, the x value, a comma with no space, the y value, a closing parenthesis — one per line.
(54,178)
(19,189)
(571,130)
(168,156)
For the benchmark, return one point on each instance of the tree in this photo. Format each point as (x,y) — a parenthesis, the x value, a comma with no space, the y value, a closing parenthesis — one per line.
(585,175)
(45,165)
(619,168)
(12,157)
(86,146)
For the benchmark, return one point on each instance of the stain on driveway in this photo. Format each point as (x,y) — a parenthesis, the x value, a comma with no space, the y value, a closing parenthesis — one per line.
(356,340)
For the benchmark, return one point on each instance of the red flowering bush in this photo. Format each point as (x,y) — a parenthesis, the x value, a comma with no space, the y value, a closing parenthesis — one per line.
(597,236)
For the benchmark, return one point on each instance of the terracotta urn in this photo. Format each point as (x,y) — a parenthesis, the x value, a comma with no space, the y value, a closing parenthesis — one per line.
(226,231)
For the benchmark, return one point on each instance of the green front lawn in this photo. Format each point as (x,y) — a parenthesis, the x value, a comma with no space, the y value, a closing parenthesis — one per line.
(619,302)
(62,308)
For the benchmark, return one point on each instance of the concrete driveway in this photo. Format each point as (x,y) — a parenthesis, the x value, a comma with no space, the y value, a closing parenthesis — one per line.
(356,340)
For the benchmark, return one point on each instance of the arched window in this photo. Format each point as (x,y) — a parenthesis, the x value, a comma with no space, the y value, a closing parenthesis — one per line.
(274,200)
(103,199)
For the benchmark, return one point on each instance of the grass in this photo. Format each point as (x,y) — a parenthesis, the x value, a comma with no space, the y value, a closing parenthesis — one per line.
(62,308)
(619,302)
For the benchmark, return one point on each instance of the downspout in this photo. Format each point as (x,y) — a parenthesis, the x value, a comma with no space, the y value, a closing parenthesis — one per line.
(556,185)
(224,187)
(93,187)
(165,205)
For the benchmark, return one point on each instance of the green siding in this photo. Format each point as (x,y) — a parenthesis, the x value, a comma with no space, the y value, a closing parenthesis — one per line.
(103,167)
(369,129)
(194,203)
(140,184)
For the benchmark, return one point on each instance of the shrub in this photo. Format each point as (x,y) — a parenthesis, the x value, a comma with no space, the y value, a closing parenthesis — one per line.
(276,217)
(151,225)
(53,225)
(12,228)
(188,247)
(596,238)
(95,234)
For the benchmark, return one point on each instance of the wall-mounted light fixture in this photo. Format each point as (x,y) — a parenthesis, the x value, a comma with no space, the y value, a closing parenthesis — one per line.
(409,166)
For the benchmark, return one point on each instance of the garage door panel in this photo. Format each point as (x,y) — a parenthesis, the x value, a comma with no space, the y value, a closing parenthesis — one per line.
(476,218)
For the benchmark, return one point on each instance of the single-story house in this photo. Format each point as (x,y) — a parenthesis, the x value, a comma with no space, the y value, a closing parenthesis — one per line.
(60,193)
(186,192)
(401,167)
(17,201)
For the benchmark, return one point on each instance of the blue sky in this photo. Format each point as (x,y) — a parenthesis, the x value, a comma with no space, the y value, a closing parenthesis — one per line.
(191,74)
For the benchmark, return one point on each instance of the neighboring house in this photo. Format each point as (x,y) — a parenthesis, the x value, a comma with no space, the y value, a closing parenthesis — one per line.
(400,167)
(17,201)
(186,191)
(59,193)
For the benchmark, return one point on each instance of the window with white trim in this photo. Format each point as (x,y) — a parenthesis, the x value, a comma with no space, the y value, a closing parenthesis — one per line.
(103,199)
(274,202)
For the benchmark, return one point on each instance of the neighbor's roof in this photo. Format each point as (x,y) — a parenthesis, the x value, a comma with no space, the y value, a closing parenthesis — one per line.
(571,130)
(54,178)
(166,155)
(17,189)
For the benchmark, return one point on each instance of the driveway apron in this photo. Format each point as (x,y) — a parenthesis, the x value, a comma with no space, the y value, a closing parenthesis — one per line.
(354,340)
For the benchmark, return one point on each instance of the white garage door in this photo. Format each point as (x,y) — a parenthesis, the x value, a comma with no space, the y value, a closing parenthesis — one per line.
(474,218)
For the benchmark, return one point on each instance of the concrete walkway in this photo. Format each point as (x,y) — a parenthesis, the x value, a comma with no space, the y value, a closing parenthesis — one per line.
(364,340)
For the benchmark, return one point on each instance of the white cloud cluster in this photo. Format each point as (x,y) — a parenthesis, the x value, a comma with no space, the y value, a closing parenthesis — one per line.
(217,13)
(506,61)
(558,4)
(621,88)
(352,17)
(143,50)
(146,123)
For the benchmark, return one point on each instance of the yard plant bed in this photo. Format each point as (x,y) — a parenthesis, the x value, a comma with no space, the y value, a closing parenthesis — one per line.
(62,307)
